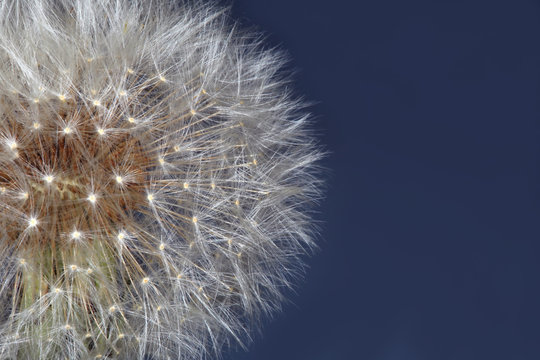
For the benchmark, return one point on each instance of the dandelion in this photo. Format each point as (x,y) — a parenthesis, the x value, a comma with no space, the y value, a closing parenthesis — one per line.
(156,180)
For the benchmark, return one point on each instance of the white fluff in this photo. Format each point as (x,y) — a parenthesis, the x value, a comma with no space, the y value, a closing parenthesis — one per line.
(156,180)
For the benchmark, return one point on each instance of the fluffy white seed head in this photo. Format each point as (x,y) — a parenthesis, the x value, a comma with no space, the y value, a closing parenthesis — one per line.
(156,179)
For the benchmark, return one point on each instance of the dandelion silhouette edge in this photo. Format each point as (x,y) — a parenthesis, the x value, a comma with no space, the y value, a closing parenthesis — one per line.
(156,180)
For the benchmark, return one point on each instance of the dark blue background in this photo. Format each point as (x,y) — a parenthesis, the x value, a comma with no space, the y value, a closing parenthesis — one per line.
(430,247)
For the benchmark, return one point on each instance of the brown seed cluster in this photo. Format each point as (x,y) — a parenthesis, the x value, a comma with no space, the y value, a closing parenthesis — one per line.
(66,168)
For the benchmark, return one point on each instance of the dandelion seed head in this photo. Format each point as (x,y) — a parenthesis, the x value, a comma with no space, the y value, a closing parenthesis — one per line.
(156,180)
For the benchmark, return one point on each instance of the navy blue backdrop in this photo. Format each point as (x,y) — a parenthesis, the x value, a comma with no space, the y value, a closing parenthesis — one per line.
(430,247)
